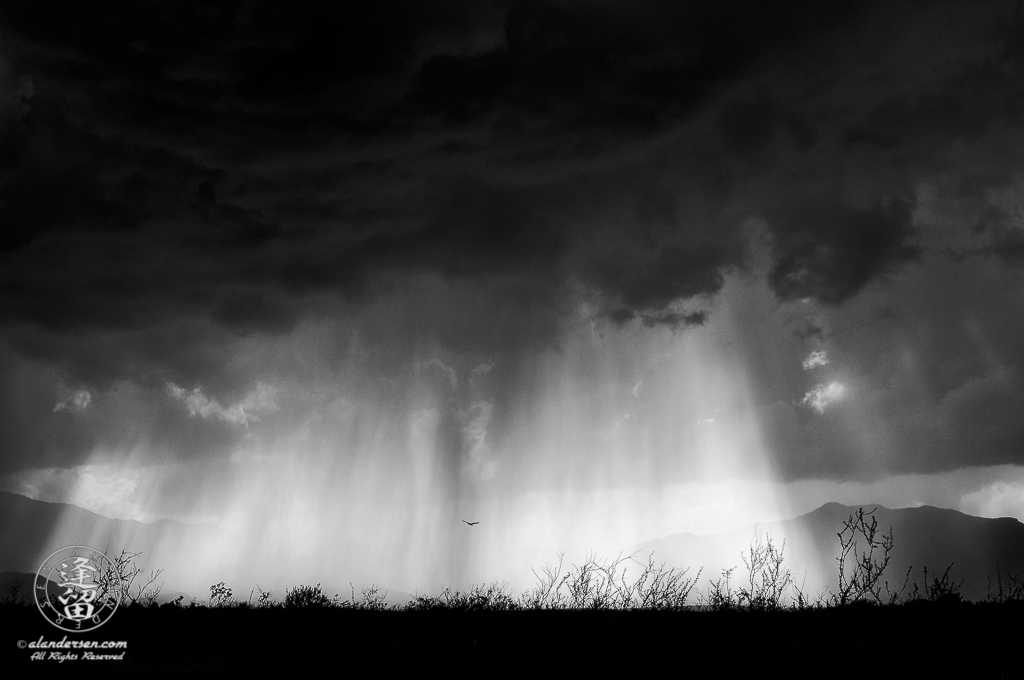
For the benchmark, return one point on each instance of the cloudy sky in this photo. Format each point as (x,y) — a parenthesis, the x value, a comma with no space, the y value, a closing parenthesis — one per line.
(583,271)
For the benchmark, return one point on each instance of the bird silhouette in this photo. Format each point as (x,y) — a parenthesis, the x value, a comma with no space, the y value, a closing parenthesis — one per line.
(471,523)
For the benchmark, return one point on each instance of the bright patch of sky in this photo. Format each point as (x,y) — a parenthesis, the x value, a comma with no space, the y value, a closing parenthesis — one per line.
(815,359)
(78,402)
(198,404)
(821,397)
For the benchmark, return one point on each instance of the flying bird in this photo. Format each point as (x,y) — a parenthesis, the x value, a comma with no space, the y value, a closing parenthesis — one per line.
(471,523)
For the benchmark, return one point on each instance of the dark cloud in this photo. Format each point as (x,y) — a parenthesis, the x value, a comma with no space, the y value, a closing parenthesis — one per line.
(676,319)
(316,147)
(830,252)
(749,127)
(253,312)
(807,328)
(870,138)
(180,182)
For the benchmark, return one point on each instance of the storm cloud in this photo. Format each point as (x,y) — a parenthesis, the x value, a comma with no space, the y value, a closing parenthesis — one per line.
(199,200)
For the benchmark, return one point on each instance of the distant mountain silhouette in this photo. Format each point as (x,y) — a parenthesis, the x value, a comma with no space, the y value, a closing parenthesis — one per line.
(923,537)
(18,587)
(30,530)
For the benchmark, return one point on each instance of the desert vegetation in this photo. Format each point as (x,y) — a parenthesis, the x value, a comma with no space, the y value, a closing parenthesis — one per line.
(628,582)
(597,616)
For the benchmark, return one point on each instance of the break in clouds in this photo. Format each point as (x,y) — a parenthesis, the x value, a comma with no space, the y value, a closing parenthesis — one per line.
(243,227)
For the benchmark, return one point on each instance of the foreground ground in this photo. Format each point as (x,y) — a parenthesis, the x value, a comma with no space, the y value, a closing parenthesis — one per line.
(921,640)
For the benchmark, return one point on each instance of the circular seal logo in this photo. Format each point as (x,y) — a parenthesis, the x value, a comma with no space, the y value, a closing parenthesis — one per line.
(77,588)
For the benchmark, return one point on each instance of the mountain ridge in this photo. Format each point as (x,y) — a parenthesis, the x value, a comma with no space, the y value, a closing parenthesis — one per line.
(976,549)
(32,529)
(10,496)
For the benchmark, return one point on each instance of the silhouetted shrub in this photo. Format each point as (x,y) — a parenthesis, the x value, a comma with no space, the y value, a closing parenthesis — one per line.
(627,583)
(768,582)
(720,597)
(263,601)
(220,595)
(1011,591)
(494,597)
(308,596)
(860,573)
(373,599)
(602,584)
(941,589)
(136,588)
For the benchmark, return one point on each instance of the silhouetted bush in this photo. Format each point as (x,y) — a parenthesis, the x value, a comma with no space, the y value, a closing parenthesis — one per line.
(720,597)
(373,599)
(1011,591)
(768,582)
(602,584)
(626,583)
(494,597)
(860,572)
(308,596)
(941,589)
(220,595)
(263,601)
